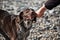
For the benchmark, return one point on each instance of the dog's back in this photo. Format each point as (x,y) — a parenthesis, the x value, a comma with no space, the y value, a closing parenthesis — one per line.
(3,13)
(8,24)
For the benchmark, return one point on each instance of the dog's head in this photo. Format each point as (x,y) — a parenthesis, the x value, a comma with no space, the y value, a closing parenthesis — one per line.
(27,16)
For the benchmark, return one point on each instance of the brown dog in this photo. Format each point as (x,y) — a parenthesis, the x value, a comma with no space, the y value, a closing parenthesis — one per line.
(27,17)
(9,24)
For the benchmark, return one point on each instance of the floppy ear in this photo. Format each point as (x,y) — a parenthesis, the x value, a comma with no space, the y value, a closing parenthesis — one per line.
(17,19)
(21,15)
(15,23)
(34,15)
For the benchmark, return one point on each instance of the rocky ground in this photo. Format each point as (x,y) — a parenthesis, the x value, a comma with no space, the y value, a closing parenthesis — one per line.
(47,27)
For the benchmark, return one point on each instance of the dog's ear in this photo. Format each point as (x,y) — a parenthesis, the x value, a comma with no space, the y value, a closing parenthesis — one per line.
(21,15)
(17,19)
(34,15)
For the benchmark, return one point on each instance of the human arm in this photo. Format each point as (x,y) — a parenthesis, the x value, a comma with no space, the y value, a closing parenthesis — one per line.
(40,11)
(50,4)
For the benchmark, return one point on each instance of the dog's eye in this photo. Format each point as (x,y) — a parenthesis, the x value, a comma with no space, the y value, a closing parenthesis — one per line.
(17,22)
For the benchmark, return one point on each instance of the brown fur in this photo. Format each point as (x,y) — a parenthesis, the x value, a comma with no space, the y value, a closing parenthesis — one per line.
(8,23)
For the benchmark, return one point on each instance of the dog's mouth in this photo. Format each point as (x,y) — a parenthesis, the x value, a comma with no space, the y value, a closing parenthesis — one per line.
(27,23)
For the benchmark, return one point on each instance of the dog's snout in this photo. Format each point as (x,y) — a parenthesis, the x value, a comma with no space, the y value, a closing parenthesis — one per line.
(27,17)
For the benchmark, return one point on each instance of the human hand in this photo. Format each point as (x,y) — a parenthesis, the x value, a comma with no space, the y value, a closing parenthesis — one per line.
(41,11)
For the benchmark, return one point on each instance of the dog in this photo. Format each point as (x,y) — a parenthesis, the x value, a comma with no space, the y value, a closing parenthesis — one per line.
(27,17)
(22,23)
(9,25)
